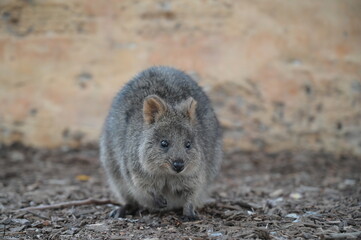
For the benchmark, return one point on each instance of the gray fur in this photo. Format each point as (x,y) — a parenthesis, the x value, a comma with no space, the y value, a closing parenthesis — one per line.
(138,168)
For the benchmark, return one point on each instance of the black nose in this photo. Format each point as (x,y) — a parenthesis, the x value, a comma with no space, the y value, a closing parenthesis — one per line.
(178,165)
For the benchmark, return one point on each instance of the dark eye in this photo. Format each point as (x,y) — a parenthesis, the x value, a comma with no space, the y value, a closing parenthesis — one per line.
(188,144)
(164,143)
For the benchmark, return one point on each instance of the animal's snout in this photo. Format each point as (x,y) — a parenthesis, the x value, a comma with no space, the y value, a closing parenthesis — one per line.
(178,165)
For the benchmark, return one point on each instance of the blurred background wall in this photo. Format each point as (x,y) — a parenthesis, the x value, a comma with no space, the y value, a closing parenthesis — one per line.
(283,75)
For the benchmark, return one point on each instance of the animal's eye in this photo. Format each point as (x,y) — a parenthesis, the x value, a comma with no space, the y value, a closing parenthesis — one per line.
(188,144)
(164,143)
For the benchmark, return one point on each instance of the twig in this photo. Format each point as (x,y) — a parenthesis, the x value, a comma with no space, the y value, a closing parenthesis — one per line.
(37,215)
(311,225)
(70,204)
(245,204)
(14,233)
(350,235)
(221,205)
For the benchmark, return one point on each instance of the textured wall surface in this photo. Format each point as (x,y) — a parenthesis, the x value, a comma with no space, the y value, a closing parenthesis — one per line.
(283,75)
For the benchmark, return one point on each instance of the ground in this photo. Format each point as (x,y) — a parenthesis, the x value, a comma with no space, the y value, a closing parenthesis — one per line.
(299,195)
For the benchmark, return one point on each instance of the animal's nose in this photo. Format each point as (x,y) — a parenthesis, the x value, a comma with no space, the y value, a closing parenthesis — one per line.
(178,165)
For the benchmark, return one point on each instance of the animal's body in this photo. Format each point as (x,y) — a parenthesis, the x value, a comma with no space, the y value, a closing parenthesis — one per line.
(161,142)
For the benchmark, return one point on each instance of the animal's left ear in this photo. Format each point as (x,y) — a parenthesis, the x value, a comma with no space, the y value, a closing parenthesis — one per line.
(189,107)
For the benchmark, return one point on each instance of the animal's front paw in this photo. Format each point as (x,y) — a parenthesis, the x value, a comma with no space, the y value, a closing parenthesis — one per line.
(160,201)
(189,213)
(120,212)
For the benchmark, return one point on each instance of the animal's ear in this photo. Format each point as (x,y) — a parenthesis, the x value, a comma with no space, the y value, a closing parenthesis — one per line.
(153,108)
(189,108)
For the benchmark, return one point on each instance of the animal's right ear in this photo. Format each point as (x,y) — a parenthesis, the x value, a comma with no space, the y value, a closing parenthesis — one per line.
(153,108)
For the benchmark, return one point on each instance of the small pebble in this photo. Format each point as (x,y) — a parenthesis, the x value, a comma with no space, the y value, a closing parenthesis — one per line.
(295,196)
(215,234)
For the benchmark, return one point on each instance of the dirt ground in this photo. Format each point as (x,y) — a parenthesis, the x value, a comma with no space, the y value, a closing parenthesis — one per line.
(257,196)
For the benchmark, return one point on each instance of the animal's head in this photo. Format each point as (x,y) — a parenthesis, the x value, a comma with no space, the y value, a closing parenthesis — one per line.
(170,144)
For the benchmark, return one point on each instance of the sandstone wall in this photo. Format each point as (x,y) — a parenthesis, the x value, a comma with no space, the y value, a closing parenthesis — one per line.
(283,75)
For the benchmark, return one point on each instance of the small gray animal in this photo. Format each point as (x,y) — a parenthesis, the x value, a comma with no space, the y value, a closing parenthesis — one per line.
(161,143)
